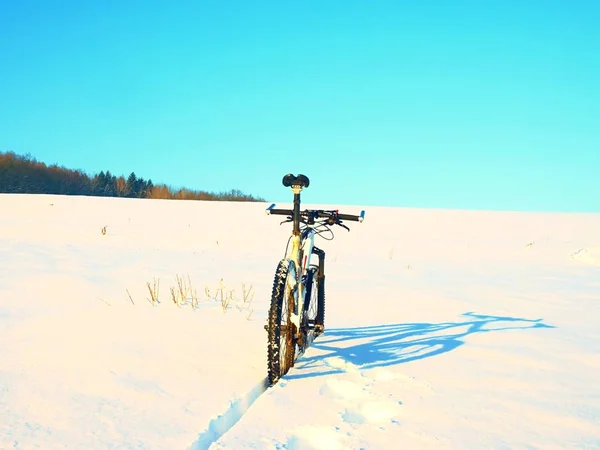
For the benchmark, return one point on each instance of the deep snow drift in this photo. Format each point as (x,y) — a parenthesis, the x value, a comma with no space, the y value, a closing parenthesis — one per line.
(444,329)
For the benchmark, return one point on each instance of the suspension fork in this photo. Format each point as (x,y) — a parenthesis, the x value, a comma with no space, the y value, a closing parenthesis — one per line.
(321,254)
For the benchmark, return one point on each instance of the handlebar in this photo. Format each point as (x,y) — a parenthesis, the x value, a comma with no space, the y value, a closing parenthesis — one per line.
(317,213)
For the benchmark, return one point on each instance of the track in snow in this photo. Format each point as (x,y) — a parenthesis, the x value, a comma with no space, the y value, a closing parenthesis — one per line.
(224,422)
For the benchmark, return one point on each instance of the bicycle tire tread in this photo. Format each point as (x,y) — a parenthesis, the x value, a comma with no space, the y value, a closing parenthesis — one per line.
(274,369)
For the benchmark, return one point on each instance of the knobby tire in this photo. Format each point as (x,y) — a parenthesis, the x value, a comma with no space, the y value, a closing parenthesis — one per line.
(281,345)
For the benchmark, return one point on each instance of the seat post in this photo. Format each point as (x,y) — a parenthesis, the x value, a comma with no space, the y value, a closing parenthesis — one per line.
(296,183)
(296,190)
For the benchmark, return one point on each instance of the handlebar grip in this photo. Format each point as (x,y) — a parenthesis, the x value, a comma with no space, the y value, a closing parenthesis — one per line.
(351,217)
(279,212)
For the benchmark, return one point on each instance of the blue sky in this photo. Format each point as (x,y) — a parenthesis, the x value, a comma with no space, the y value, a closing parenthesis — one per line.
(435,104)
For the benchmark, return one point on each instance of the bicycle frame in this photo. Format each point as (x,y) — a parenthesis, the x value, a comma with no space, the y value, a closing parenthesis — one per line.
(300,252)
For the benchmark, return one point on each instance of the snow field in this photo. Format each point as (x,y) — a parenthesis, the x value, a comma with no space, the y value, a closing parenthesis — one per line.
(445,329)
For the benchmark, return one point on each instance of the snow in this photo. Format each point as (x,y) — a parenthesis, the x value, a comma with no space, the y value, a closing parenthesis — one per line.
(444,329)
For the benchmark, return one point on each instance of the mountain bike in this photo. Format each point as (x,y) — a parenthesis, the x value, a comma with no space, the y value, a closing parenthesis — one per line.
(297,311)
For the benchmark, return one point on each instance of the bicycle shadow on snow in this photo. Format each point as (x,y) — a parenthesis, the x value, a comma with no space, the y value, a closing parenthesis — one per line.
(386,345)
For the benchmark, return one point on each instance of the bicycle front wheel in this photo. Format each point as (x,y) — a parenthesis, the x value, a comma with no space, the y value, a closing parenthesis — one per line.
(280,329)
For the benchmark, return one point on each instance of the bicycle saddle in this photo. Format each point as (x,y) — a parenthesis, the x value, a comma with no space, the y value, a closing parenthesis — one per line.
(290,180)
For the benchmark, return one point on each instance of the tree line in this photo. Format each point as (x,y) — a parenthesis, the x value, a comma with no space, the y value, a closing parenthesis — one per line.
(25,175)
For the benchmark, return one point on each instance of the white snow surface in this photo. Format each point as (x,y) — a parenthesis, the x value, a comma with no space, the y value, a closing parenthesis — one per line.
(445,329)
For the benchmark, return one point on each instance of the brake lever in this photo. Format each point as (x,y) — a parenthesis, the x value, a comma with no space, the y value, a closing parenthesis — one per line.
(343,226)
(289,219)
